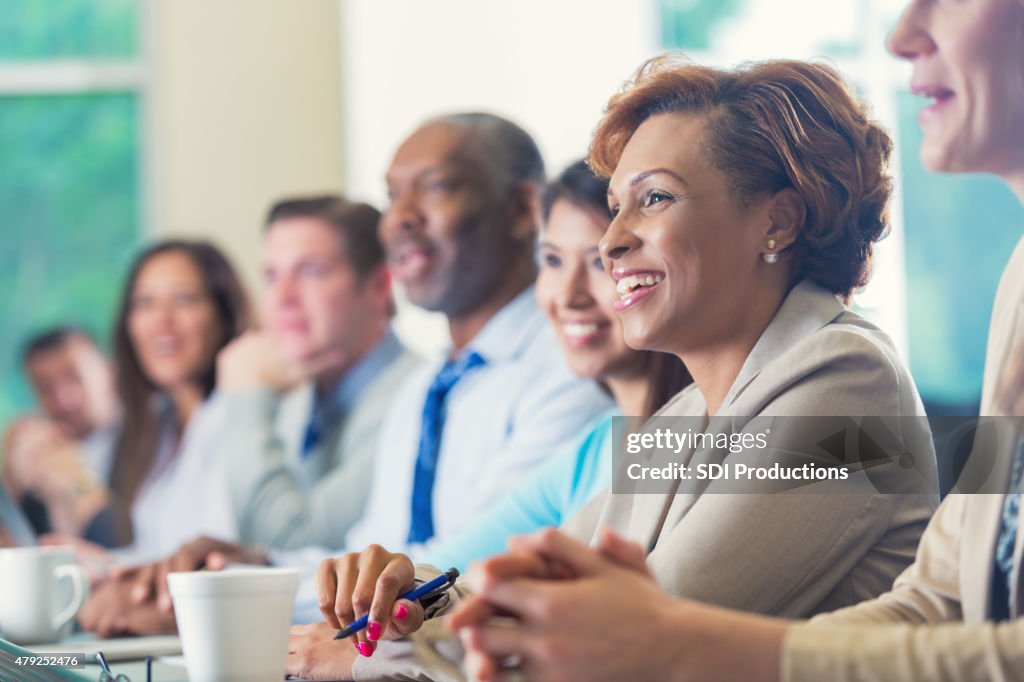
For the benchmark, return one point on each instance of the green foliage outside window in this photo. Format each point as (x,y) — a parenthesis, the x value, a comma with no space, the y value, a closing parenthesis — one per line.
(69,180)
(70,214)
(690,24)
(65,29)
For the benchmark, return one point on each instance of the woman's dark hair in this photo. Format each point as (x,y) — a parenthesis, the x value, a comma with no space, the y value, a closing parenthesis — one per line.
(769,126)
(579,185)
(138,440)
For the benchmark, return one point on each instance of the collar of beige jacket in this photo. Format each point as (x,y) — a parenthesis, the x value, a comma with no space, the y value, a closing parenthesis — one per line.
(807,308)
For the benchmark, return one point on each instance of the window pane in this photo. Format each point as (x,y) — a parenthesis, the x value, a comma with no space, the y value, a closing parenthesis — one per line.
(69,206)
(960,231)
(756,29)
(49,29)
(692,24)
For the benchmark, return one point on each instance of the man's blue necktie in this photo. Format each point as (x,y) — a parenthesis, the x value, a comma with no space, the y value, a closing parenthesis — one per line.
(1008,528)
(311,438)
(421,524)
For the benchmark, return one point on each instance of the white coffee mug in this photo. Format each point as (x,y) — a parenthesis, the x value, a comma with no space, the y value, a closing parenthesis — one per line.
(41,592)
(234,624)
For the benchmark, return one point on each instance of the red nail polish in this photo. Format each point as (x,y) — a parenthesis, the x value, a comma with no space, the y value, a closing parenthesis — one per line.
(402,612)
(365,649)
(373,631)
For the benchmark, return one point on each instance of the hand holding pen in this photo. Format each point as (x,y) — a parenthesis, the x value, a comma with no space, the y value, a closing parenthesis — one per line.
(424,591)
(371,583)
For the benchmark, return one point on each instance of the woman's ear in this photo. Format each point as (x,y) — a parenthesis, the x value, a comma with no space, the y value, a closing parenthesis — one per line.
(788,212)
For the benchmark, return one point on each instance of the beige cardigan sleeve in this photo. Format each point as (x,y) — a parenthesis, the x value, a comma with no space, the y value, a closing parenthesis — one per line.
(915,631)
(905,652)
(929,590)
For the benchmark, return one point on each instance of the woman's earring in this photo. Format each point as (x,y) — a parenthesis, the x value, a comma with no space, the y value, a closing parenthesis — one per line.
(770,257)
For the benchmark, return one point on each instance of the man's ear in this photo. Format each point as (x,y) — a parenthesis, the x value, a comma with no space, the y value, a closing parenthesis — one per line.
(525,206)
(787,212)
(377,283)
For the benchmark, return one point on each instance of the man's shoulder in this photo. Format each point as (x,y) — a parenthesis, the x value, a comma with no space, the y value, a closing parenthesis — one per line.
(394,377)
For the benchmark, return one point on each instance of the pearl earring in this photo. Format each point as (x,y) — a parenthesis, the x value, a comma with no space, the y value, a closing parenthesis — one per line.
(770,258)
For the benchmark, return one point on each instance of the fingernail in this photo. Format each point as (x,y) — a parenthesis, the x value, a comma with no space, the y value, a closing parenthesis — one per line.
(373,631)
(402,612)
(365,649)
(356,645)
(138,593)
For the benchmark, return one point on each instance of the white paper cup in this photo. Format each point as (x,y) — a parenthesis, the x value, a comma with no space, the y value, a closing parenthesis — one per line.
(234,624)
(41,592)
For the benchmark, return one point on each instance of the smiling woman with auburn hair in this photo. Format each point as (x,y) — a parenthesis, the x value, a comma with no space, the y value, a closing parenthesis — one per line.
(769,126)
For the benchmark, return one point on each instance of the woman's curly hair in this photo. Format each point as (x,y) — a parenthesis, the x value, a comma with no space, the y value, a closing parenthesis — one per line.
(772,125)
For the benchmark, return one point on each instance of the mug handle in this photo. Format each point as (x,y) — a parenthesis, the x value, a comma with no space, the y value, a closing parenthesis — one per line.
(79,592)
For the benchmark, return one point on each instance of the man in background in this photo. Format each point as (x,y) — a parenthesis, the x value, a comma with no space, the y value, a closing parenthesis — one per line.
(306,396)
(77,413)
(460,232)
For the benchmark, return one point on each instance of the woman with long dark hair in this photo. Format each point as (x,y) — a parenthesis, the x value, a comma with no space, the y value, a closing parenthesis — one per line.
(182,302)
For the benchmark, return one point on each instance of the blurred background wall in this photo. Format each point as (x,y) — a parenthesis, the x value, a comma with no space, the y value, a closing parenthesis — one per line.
(122,121)
(242,106)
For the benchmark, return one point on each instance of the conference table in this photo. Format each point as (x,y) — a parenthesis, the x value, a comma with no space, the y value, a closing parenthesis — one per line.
(126,657)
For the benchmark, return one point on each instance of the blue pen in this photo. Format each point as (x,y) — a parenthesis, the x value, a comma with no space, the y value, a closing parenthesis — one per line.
(443,581)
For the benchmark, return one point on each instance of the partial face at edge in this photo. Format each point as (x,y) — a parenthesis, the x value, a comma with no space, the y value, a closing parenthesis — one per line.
(968,58)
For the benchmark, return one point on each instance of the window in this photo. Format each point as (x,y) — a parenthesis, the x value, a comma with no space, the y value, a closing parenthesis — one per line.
(70,167)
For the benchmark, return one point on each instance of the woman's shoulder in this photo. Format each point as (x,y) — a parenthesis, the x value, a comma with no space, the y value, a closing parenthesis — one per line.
(851,336)
(848,366)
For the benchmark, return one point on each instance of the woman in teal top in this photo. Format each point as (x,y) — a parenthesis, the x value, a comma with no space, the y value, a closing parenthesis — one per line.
(553,493)
(577,296)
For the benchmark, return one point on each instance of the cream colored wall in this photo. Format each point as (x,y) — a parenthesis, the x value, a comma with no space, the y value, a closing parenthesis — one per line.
(549,66)
(243,107)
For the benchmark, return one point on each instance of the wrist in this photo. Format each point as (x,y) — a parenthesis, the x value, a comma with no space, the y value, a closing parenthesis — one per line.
(88,505)
(727,646)
(679,627)
(68,487)
(71,514)
(234,384)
